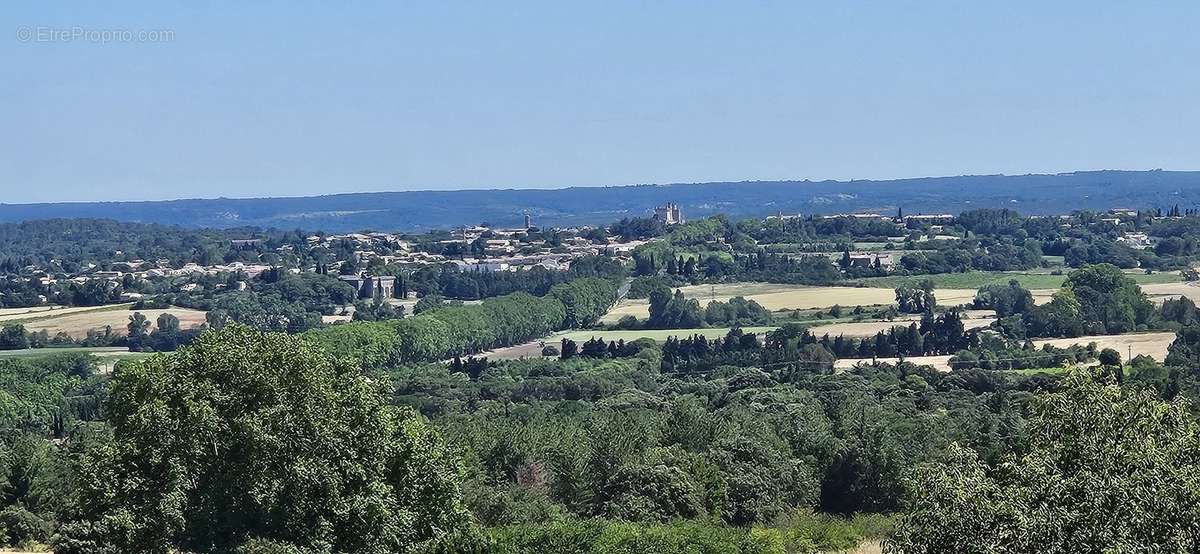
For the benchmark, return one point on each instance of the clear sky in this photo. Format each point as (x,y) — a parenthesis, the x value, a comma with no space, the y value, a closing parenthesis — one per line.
(294,98)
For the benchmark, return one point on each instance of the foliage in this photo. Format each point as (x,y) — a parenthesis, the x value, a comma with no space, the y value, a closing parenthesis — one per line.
(1106,469)
(458,330)
(916,300)
(447,280)
(1109,301)
(245,435)
(673,311)
(1006,300)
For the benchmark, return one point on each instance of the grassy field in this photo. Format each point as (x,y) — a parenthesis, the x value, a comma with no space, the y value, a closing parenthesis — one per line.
(1161,291)
(20,315)
(974,320)
(1154,345)
(108,353)
(950,289)
(978,279)
(1150,344)
(777,297)
(77,323)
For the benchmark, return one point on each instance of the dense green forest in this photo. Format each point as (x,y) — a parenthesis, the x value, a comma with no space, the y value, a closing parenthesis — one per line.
(255,442)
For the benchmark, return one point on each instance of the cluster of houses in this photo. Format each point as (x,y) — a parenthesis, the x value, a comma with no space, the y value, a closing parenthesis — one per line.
(511,249)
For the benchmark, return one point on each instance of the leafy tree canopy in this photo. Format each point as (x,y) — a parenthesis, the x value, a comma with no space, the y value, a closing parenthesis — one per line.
(1107,470)
(249,436)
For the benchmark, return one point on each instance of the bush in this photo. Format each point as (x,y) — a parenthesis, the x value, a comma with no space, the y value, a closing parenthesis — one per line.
(1108,356)
(598,536)
(823,533)
(22,527)
(628,322)
(263,546)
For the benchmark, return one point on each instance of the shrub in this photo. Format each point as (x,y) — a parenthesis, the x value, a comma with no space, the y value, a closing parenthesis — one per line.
(22,527)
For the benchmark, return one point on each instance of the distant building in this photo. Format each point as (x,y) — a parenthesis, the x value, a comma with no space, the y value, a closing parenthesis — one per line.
(855,216)
(930,219)
(498,247)
(528,222)
(622,247)
(1136,240)
(245,243)
(872,259)
(372,287)
(669,214)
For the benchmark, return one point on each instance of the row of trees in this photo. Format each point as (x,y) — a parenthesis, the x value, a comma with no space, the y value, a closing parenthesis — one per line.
(457,330)
(754,264)
(793,344)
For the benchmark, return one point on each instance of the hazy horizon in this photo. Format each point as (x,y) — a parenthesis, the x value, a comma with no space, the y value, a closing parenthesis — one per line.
(550,188)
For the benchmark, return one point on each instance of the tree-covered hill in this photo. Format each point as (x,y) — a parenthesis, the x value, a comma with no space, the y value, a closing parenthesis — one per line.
(1030,194)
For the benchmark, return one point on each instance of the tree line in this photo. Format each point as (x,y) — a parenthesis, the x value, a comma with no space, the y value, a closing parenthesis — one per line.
(458,330)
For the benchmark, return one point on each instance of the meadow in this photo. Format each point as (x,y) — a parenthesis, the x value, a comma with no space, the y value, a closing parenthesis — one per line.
(977,279)
(77,324)
(1154,345)
(776,297)
(106,356)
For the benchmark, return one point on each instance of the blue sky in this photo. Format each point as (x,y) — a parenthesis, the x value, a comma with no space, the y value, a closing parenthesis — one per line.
(294,98)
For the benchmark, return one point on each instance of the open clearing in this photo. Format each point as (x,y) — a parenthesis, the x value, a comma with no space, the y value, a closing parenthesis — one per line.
(37,312)
(1154,345)
(974,319)
(1150,344)
(1161,291)
(950,289)
(977,279)
(78,323)
(105,353)
(776,297)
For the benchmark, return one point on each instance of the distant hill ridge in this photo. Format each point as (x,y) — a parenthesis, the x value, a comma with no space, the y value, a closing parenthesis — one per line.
(420,210)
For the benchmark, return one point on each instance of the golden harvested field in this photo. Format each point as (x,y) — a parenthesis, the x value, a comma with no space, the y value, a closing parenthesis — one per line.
(791,297)
(77,323)
(974,320)
(16,314)
(1161,291)
(1151,344)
